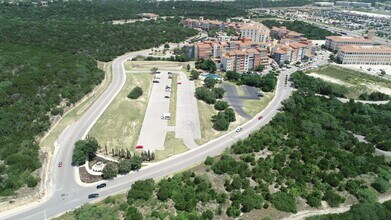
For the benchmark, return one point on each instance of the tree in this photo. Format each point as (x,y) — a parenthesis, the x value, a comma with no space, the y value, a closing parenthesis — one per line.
(381,185)
(136,162)
(84,149)
(194,74)
(286,62)
(136,93)
(206,95)
(220,122)
(259,68)
(154,70)
(333,199)
(124,166)
(207,215)
(132,213)
(229,114)
(188,67)
(218,92)
(209,160)
(284,202)
(221,105)
(110,170)
(141,190)
(232,76)
(209,82)
(166,46)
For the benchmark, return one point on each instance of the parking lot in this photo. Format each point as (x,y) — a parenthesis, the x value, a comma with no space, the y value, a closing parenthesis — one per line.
(154,129)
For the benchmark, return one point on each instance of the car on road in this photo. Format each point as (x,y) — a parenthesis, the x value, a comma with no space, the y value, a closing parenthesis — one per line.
(167,97)
(102,185)
(59,164)
(179,83)
(155,81)
(93,196)
(239,129)
(139,147)
(260,117)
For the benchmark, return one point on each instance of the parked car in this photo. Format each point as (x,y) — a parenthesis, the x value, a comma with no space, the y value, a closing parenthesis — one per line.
(139,147)
(179,83)
(93,196)
(260,117)
(239,129)
(167,97)
(155,81)
(102,185)
(59,164)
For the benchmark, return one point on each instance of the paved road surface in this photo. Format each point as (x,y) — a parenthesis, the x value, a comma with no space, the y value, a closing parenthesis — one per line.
(234,100)
(68,194)
(187,118)
(154,129)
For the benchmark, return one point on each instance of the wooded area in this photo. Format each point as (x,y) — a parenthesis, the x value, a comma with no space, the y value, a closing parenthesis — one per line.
(47,62)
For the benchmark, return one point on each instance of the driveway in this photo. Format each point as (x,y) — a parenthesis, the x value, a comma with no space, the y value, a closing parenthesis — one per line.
(187,118)
(154,129)
(234,100)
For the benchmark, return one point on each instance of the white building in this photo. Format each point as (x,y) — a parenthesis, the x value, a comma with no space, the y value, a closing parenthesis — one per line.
(257,32)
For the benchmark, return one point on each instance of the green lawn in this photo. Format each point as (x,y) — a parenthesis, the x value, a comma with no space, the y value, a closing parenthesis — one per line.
(120,125)
(253,107)
(173,98)
(351,76)
(147,65)
(172,146)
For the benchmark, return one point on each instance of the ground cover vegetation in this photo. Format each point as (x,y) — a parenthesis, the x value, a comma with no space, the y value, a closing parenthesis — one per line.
(310,31)
(266,83)
(307,151)
(48,62)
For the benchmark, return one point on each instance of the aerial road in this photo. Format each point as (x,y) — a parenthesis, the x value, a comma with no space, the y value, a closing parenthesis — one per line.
(67,194)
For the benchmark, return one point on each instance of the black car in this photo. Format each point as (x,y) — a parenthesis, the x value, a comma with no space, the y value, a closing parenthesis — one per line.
(93,196)
(101,185)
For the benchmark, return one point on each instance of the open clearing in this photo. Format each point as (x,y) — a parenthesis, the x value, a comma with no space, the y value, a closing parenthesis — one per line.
(148,65)
(119,126)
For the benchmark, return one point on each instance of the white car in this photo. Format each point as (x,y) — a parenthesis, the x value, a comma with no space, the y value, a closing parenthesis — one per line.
(239,129)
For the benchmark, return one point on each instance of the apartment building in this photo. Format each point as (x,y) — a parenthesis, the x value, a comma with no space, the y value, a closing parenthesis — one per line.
(283,33)
(291,52)
(244,60)
(216,49)
(365,55)
(257,32)
(335,42)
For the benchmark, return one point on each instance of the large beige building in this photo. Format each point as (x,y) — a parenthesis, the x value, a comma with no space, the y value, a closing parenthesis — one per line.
(365,55)
(335,42)
(257,32)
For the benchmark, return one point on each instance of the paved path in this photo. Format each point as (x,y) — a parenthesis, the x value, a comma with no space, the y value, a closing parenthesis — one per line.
(154,129)
(234,100)
(187,118)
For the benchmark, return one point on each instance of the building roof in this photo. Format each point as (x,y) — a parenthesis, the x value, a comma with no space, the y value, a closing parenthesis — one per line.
(252,50)
(348,39)
(254,26)
(366,48)
(204,46)
(239,52)
(297,45)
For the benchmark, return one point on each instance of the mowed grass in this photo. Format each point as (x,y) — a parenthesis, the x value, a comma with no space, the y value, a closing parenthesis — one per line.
(120,125)
(148,65)
(172,146)
(74,114)
(351,76)
(173,98)
(253,107)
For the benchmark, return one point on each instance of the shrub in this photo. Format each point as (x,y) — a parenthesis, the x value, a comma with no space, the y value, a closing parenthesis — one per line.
(124,166)
(32,181)
(132,213)
(381,185)
(221,105)
(205,95)
(284,202)
(209,160)
(141,190)
(220,122)
(333,199)
(110,170)
(194,74)
(84,149)
(210,82)
(136,93)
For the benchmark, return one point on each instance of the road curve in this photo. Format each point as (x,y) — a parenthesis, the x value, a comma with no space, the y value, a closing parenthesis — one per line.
(67,194)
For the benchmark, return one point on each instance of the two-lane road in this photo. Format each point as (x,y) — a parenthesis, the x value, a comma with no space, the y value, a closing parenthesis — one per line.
(67,194)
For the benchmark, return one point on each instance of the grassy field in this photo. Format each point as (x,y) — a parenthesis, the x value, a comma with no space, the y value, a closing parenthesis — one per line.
(119,126)
(352,77)
(147,65)
(253,107)
(173,97)
(172,146)
(74,114)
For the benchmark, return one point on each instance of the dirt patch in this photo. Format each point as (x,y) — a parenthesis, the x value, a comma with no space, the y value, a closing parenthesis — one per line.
(85,177)
(330,79)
